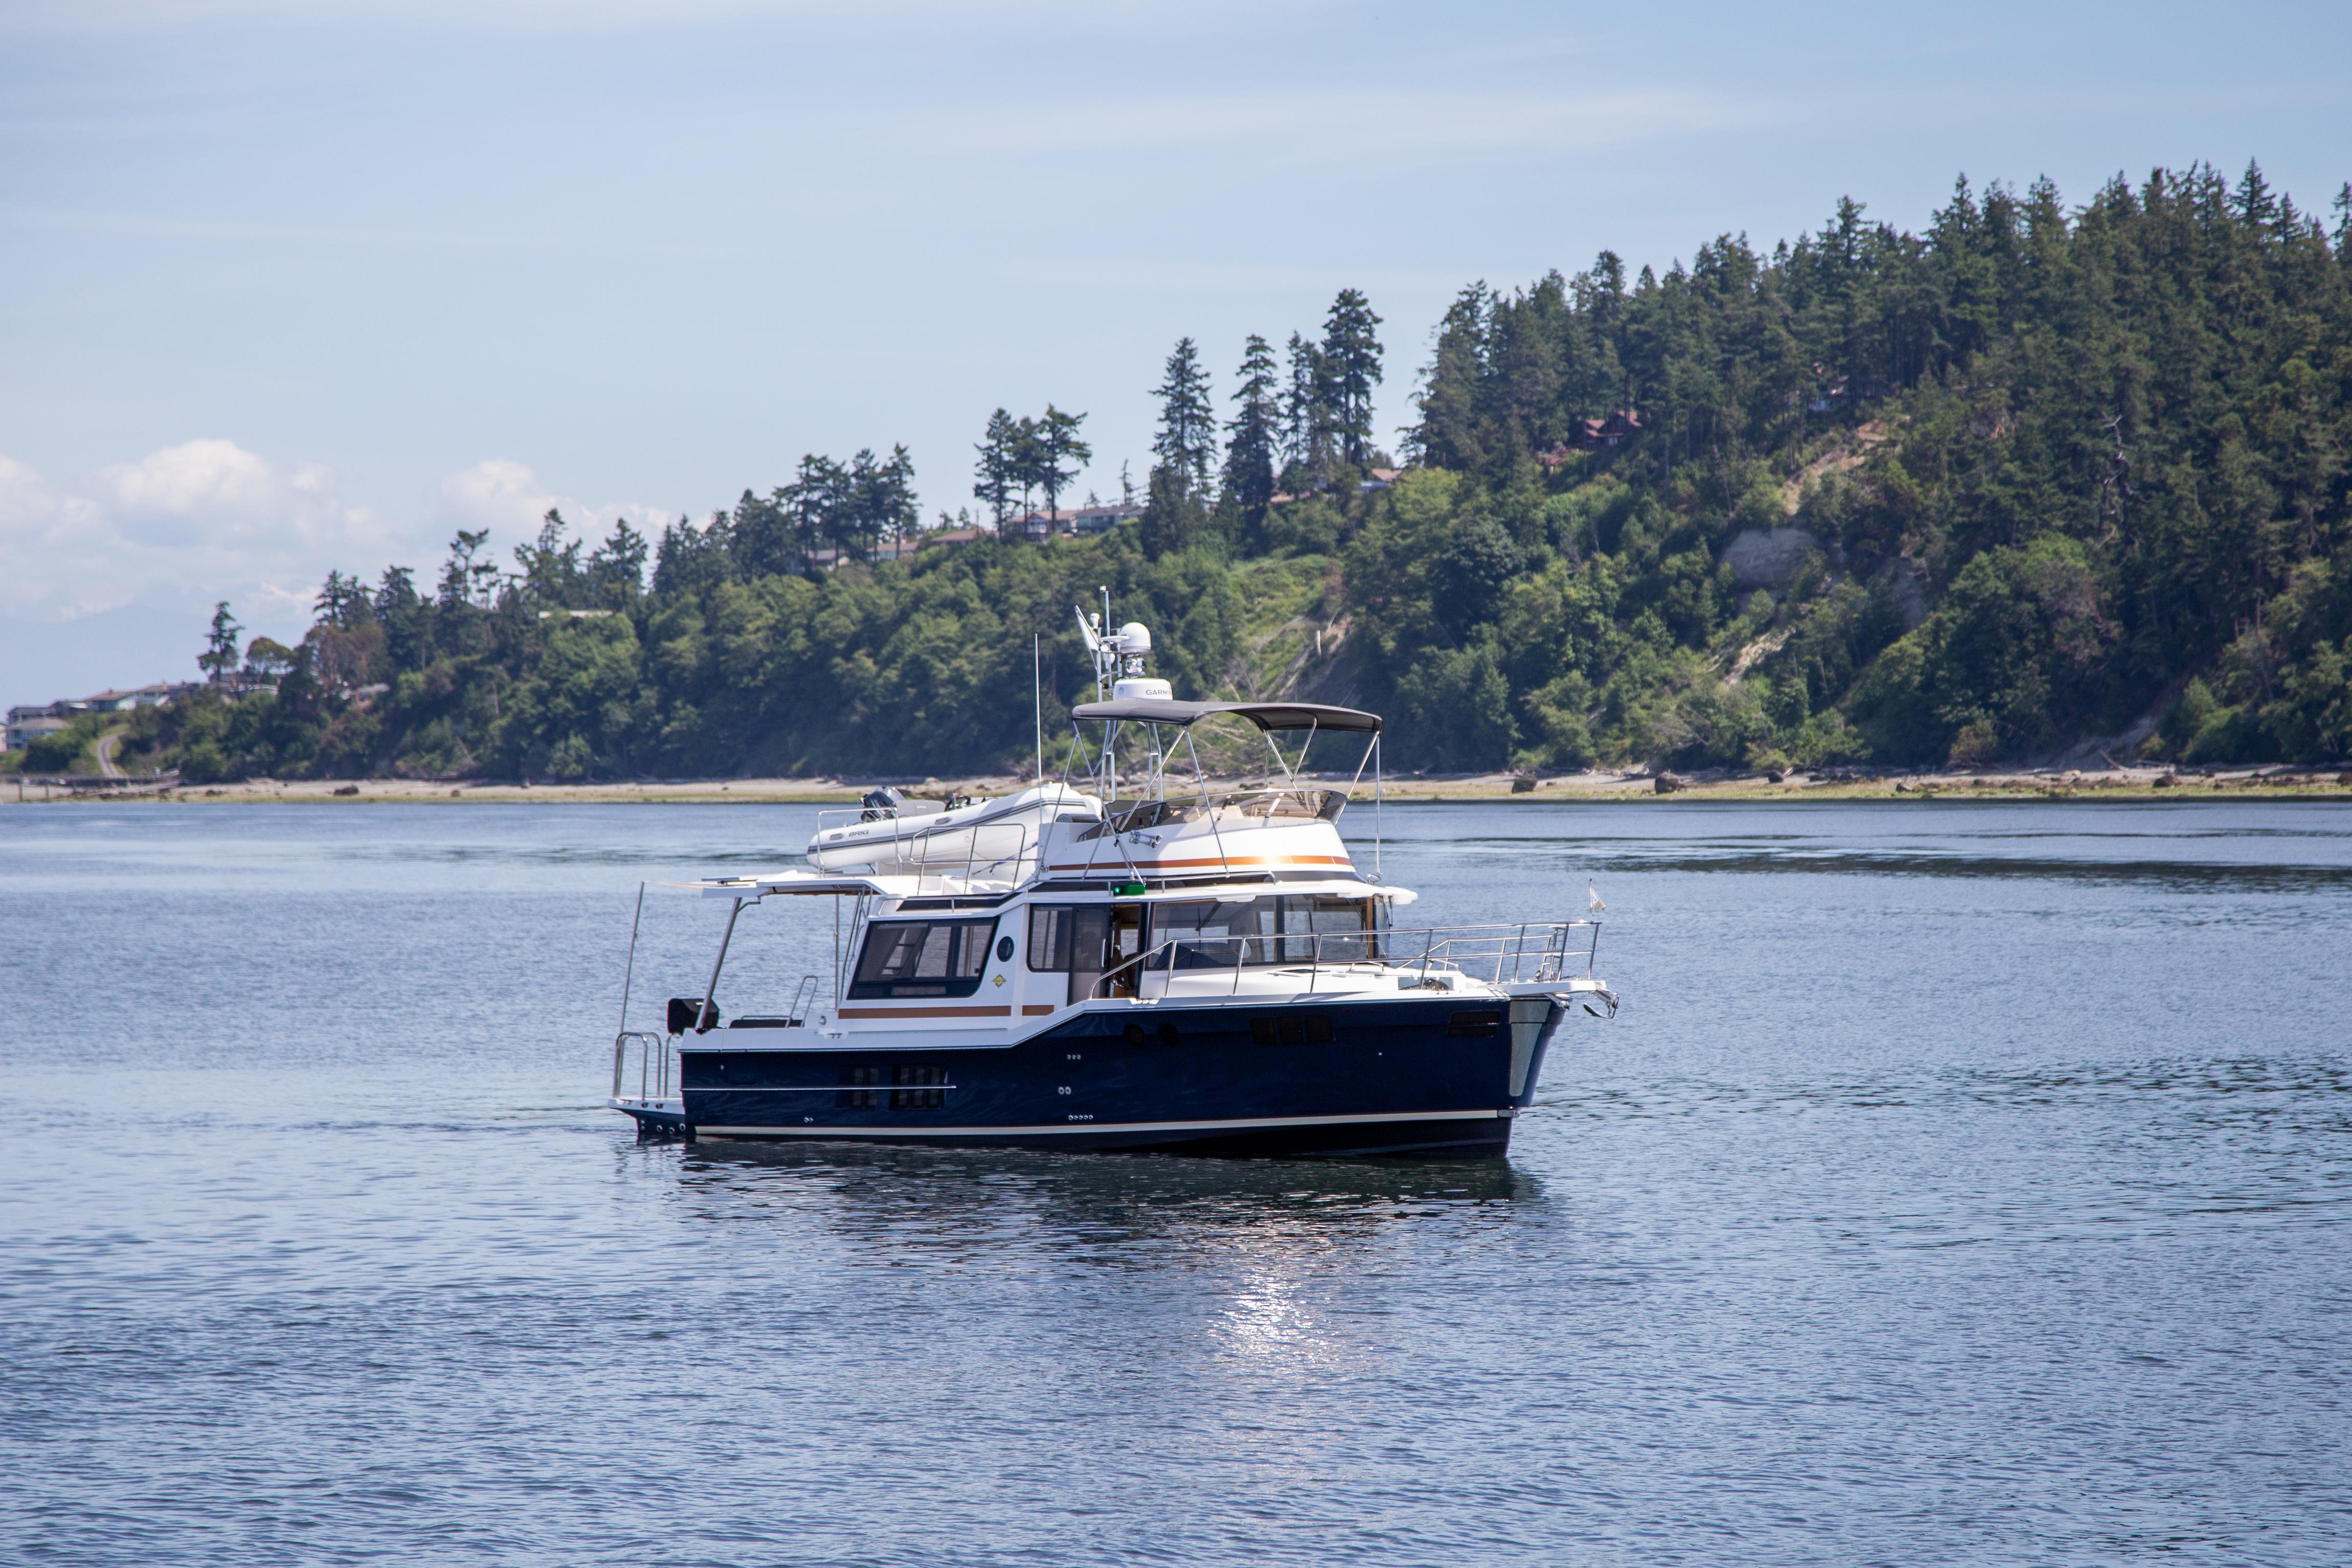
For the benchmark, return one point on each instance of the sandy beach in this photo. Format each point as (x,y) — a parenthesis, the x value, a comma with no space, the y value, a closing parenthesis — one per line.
(1600,784)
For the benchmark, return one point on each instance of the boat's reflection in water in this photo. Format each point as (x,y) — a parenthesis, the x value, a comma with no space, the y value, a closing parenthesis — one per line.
(967,1201)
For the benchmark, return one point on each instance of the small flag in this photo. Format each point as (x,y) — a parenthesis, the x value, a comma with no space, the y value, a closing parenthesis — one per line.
(1593,899)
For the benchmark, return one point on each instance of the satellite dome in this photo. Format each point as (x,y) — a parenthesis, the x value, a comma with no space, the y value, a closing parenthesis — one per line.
(1135,638)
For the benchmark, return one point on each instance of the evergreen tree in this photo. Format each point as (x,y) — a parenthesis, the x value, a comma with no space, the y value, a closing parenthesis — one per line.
(405,617)
(1000,460)
(1307,403)
(763,537)
(880,502)
(692,560)
(1061,454)
(1173,516)
(219,657)
(1351,368)
(464,579)
(550,576)
(1028,460)
(341,602)
(1186,444)
(817,509)
(617,569)
(1255,431)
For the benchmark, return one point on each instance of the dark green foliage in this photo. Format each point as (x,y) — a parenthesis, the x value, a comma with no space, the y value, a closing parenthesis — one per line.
(1173,519)
(220,647)
(2098,451)
(1186,442)
(1255,436)
(2029,479)
(1351,367)
(56,752)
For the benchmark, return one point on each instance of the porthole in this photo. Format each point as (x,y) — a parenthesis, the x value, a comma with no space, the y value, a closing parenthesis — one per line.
(1004,950)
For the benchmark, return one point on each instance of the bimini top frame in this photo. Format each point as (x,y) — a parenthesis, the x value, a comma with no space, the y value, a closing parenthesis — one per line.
(1122,657)
(1264,715)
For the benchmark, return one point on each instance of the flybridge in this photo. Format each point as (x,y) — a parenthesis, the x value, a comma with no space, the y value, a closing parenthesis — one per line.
(1118,807)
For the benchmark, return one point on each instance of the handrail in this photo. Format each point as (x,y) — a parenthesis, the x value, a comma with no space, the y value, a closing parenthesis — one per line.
(650,1043)
(1508,948)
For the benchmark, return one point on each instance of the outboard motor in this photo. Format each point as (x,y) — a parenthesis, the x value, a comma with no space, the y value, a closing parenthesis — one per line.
(881,803)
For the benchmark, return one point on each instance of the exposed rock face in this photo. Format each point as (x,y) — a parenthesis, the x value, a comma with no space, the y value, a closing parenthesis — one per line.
(1768,558)
(1909,585)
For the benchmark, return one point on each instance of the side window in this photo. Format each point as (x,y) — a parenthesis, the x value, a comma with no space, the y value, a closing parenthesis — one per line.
(922,958)
(1052,937)
(1212,934)
(1346,926)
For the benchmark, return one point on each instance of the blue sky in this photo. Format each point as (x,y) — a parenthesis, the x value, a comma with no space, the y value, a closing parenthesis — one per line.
(293,286)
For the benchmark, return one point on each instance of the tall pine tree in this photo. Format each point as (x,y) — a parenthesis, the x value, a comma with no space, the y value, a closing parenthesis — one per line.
(1255,431)
(1351,368)
(1186,444)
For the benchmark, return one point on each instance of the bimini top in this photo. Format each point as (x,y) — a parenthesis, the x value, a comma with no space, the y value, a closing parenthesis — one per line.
(1264,715)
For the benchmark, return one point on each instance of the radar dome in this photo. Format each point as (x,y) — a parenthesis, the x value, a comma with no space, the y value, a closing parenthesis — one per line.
(1135,638)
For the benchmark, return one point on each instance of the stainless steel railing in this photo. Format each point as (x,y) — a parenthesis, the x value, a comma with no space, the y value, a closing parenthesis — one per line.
(1531,952)
(655,1061)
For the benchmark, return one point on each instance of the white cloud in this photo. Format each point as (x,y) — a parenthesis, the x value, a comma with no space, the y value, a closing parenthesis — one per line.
(210,518)
(511,501)
(499,494)
(214,493)
(202,512)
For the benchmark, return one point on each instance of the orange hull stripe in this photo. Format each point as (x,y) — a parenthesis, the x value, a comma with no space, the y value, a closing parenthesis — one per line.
(1120,865)
(1032,1010)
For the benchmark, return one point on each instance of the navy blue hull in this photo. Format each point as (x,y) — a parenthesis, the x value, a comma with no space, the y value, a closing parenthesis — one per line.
(1437,1075)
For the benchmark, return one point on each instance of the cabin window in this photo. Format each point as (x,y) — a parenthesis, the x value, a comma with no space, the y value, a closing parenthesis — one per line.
(922,958)
(1053,937)
(1279,929)
(1473,1025)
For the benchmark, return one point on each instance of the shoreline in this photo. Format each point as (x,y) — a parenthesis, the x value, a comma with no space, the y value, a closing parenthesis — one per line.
(2273,781)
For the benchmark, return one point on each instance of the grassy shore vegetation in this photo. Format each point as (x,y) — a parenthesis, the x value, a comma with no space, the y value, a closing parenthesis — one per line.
(2034,476)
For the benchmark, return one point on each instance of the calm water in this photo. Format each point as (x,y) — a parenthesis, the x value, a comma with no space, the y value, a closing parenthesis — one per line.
(1959,1183)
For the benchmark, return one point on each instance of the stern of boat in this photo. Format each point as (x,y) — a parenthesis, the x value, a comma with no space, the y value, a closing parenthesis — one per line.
(645,1085)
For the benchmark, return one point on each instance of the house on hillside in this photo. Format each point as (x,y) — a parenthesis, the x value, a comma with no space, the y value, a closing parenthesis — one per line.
(154,695)
(1600,435)
(1038,526)
(1831,392)
(30,721)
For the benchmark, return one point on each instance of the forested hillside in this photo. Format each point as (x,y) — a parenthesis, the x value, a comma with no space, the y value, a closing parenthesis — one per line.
(2031,477)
